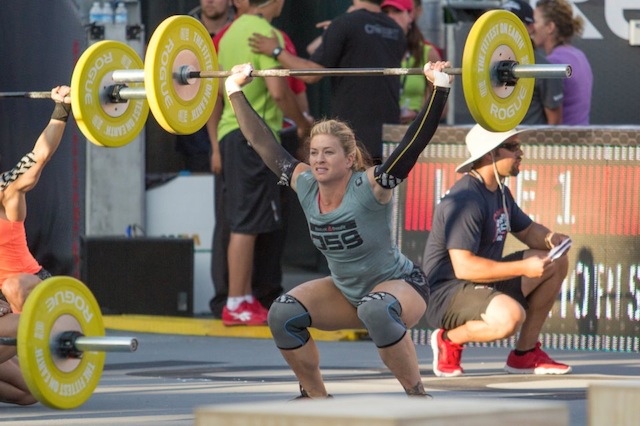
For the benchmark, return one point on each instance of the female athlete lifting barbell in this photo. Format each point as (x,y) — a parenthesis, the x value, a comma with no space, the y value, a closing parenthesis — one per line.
(48,319)
(348,204)
(20,272)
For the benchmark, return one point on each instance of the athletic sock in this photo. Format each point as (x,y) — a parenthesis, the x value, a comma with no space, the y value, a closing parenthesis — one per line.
(249,298)
(520,353)
(234,302)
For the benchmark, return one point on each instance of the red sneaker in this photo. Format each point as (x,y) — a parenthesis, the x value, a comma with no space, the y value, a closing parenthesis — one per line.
(242,315)
(257,307)
(446,356)
(534,362)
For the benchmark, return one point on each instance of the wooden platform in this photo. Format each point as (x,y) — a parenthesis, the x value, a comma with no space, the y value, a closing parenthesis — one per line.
(614,403)
(385,411)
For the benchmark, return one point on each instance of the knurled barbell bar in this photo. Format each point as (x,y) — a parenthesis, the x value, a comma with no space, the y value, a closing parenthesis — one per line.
(61,343)
(507,72)
(180,78)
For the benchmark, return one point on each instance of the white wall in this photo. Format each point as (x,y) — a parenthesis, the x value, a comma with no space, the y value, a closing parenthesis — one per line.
(183,207)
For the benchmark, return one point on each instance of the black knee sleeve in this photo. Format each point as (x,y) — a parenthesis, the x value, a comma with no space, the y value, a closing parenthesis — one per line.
(288,320)
(381,314)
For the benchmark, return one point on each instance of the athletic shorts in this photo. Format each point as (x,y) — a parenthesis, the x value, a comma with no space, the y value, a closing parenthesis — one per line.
(471,299)
(43,274)
(251,199)
(418,280)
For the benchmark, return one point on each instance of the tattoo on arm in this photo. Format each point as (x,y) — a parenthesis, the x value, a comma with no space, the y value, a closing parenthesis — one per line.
(21,168)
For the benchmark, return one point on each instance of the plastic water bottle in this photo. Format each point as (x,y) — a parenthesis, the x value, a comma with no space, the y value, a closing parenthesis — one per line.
(107,13)
(95,13)
(121,13)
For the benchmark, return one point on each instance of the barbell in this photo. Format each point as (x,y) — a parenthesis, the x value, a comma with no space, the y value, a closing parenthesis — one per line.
(112,90)
(61,343)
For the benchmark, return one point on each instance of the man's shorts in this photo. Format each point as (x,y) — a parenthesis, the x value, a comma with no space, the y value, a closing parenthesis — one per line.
(471,299)
(251,193)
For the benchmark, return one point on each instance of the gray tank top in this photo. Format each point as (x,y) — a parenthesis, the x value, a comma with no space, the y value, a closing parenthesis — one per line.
(356,238)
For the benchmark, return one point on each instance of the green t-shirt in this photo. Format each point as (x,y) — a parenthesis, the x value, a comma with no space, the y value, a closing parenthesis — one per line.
(413,86)
(234,50)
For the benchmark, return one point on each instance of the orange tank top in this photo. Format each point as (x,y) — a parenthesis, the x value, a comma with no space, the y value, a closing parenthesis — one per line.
(15,256)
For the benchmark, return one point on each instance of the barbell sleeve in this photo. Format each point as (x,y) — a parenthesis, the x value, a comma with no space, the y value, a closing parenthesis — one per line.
(96,344)
(106,344)
(132,93)
(542,71)
(128,76)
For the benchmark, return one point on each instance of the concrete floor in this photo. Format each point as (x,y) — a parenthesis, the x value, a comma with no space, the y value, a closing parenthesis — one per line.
(170,375)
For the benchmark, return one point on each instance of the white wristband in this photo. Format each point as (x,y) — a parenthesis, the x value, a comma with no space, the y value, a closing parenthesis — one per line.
(441,79)
(231,86)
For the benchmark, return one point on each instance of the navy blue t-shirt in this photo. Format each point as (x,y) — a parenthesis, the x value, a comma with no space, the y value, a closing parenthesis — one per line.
(469,217)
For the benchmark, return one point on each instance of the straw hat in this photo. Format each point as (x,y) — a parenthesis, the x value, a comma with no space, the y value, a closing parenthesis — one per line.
(480,141)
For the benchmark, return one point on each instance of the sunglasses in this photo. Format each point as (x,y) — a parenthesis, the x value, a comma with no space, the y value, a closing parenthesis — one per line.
(511,146)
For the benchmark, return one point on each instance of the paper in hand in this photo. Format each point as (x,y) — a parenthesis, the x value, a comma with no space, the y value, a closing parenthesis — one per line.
(560,249)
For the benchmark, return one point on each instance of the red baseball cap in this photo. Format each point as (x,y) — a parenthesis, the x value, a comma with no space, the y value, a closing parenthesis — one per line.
(399,4)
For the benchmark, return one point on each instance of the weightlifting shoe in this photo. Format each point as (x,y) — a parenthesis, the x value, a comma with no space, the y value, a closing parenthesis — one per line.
(534,362)
(242,315)
(446,356)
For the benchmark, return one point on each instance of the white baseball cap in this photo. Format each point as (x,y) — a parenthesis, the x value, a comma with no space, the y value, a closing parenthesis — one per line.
(481,141)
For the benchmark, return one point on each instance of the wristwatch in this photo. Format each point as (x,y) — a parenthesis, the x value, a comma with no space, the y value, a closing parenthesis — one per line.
(276,52)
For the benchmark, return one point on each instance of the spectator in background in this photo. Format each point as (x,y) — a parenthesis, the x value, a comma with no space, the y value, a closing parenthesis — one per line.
(196,148)
(267,276)
(554,28)
(221,231)
(251,196)
(298,86)
(546,104)
(414,89)
(214,14)
(349,42)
